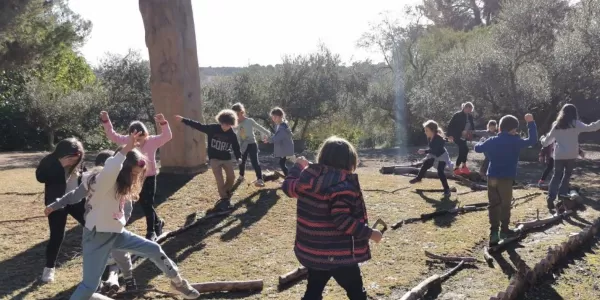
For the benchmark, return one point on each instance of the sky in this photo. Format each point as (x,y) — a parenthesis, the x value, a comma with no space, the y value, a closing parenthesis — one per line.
(237,33)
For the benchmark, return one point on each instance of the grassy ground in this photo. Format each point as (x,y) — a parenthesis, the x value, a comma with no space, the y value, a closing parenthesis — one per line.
(256,240)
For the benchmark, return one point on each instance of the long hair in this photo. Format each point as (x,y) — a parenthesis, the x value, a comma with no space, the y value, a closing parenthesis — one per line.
(434,127)
(69,147)
(566,117)
(126,184)
(338,153)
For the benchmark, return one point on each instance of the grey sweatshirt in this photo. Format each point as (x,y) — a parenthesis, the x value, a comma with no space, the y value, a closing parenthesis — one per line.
(567,140)
(245,132)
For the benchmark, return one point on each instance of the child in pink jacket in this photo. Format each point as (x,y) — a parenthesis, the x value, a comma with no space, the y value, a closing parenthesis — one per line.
(148,146)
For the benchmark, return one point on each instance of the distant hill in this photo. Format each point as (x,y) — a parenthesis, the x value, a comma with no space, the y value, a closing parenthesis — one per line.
(207,73)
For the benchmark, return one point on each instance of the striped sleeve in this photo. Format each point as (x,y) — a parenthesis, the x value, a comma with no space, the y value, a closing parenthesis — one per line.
(341,214)
(290,182)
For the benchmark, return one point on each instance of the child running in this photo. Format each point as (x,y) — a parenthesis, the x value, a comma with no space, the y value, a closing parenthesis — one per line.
(59,172)
(282,140)
(565,135)
(122,259)
(492,130)
(119,182)
(332,232)
(546,158)
(503,152)
(247,140)
(148,145)
(436,155)
(221,141)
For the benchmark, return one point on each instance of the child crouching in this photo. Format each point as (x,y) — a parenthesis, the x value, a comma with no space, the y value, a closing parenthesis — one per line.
(332,232)
(436,155)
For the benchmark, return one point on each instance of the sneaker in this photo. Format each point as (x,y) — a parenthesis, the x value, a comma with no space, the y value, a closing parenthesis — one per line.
(457,172)
(414,180)
(48,275)
(158,228)
(507,233)
(151,236)
(185,289)
(550,204)
(447,193)
(465,171)
(130,284)
(540,183)
(494,239)
(259,183)
(223,204)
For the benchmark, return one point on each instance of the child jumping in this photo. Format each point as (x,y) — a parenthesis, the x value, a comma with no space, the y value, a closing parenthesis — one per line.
(565,135)
(122,259)
(59,172)
(119,182)
(492,130)
(245,132)
(282,140)
(503,152)
(148,146)
(221,141)
(332,232)
(436,155)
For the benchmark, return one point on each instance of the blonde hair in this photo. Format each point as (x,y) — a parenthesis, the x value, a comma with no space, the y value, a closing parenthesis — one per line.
(468,105)
(434,127)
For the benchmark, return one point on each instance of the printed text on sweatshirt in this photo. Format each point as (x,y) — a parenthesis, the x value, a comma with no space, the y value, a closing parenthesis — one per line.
(220,143)
(567,140)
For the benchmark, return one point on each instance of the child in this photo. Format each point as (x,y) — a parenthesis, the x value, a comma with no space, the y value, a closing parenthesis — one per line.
(122,259)
(221,140)
(332,234)
(119,182)
(58,171)
(148,146)
(565,135)
(247,140)
(436,155)
(459,132)
(282,140)
(485,134)
(503,152)
(546,158)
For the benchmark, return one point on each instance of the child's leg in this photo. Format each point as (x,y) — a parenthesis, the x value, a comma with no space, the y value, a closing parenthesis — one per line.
(441,171)
(484,166)
(494,208)
(253,149)
(229,177)
(215,166)
(147,201)
(463,151)
(350,279)
(123,260)
(129,242)
(284,168)
(242,165)
(317,280)
(427,164)
(505,188)
(96,249)
(57,221)
(548,169)
(564,184)
(559,172)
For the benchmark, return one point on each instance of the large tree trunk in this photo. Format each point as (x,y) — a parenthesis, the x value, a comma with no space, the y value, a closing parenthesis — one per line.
(175,80)
(51,133)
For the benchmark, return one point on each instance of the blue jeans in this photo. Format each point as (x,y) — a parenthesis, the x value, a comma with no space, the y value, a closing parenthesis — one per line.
(98,245)
(559,184)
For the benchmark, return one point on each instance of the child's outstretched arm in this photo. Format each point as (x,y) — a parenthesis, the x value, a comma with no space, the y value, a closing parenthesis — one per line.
(194,124)
(259,128)
(72,197)
(110,132)
(342,218)
(484,146)
(291,181)
(588,127)
(532,132)
(106,179)
(165,135)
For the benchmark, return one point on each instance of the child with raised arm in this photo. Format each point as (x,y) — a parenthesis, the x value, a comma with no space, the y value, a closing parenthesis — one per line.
(546,157)
(332,232)
(490,131)
(283,141)
(436,155)
(565,135)
(221,140)
(503,152)
(148,144)
(59,172)
(245,132)
(119,182)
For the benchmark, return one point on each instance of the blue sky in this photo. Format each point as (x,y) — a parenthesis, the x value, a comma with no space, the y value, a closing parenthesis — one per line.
(243,32)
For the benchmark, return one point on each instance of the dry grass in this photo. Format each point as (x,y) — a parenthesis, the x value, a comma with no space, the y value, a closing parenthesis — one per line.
(256,240)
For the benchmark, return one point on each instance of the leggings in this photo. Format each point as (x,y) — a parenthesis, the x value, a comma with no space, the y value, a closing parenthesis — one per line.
(441,167)
(147,202)
(463,152)
(549,167)
(559,184)
(284,169)
(58,221)
(252,151)
(348,277)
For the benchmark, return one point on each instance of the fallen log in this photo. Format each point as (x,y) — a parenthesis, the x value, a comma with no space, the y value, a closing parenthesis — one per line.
(229,286)
(524,226)
(486,255)
(419,291)
(450,258)
(292,276)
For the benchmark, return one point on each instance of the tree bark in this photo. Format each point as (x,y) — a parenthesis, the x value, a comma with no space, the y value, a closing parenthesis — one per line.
(175,80)
(51,133)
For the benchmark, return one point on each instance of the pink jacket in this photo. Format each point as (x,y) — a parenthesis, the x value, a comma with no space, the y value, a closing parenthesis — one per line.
(148,149)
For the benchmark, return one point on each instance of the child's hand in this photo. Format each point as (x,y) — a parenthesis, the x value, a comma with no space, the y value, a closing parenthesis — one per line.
(69,160)
(376,236)
(528,118)
(302,162)
(132,142)
(48,210)
(160,118)
(104,116)
(421,151)
(178,118)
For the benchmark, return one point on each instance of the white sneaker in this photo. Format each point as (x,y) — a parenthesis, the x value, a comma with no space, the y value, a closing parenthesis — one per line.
(185,289)
(259,183)
(48,275)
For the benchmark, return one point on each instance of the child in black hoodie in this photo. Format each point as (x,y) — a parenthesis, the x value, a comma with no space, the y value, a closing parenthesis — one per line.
(436,154)
(221,140)
(59,172)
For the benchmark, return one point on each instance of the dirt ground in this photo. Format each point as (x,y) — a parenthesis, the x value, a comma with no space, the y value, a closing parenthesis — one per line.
(256,240)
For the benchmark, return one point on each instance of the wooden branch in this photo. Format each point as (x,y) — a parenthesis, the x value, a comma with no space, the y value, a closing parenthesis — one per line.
(451,271)
(229,286)
(405,221)
(419,291)
(523,226)
(449,258)
(292,276)
(486,255)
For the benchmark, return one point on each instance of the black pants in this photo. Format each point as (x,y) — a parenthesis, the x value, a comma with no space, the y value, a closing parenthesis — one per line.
(549,168)
(147,202)
(441,168)
(58,221)
(252,151)
(284,169)
(348,278)
(463,152)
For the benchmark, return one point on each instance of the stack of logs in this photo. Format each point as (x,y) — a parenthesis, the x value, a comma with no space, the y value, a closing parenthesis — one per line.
(528,277)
